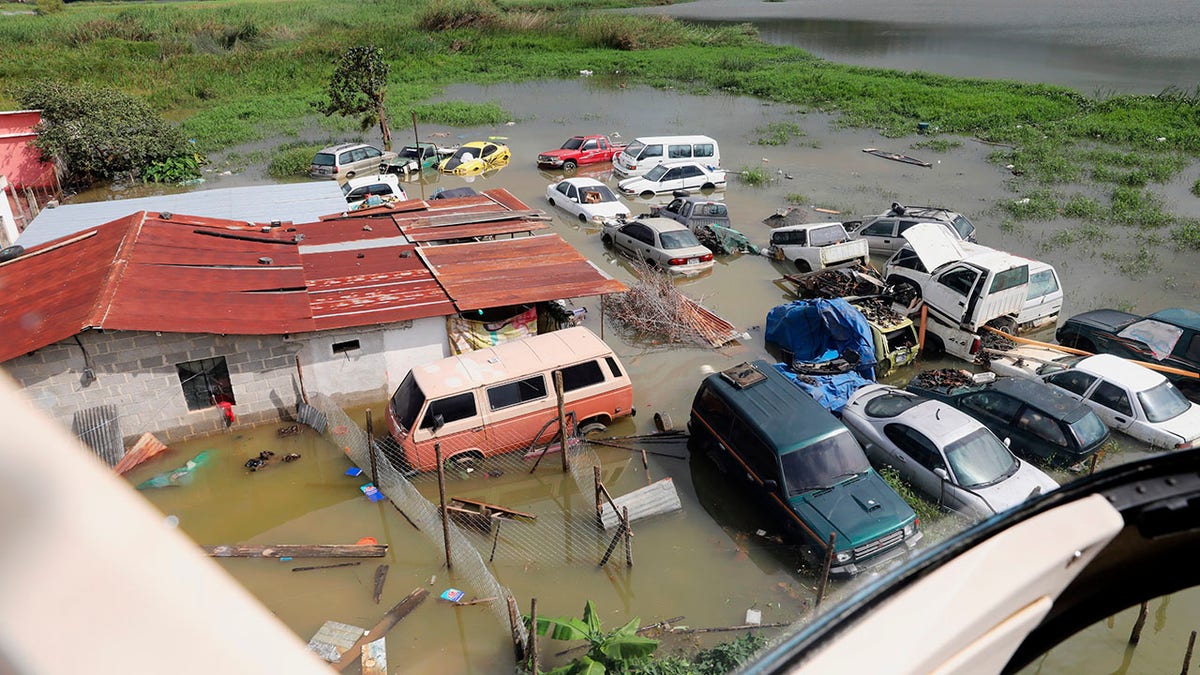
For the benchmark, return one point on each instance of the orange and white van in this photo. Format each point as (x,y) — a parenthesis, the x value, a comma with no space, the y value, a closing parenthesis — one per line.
(500,399)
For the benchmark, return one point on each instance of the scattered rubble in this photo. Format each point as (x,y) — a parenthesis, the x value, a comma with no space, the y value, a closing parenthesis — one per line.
(654,309)
(943,378)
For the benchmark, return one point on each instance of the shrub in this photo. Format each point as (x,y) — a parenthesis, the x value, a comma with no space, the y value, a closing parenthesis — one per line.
(754,175)
(49,6)
(629,33)
(173,169)
(441,15)
(292,161)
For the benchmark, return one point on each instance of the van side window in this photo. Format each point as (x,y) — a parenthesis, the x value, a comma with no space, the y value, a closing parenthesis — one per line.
(651,151)
(612,366)
(1041,283)
(451,408)
(513,393)
(747,445)
(679,151)
(582,375)
(702,150)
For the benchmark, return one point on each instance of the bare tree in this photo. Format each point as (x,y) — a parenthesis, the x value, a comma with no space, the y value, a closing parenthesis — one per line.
(358,87)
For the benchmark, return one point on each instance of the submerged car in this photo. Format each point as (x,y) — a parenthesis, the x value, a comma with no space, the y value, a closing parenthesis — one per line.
(472,159)
(1170,337)
(1043,424)
(365,191)
(884,232)
(804,464)
(1132,399)
(667,178)
(348,160)
(414,158)
(943,453)
(659,242)
(586,199)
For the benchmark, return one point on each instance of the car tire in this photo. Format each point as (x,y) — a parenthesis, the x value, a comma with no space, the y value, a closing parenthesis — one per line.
(708,187)
(570,165)
(802,266)
(647,194)
(551,200)
(593,427)
(606,240)
(350,174)
(899,282)
(582,218)
(933,345)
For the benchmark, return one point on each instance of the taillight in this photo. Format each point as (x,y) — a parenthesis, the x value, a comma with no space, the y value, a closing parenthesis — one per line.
(975,345)
(706,257)
(1187,445)
(677,261)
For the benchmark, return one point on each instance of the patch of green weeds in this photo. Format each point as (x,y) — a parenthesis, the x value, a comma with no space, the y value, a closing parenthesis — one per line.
(796,198)
(1088,236)
(1196,187)
(754,176)
(1037,205)
(937,145)
(1138,207)
(461,113)
(1010,226)
(1187,234)
(292,160)
(1139,264)
(1083,207)
(778,133)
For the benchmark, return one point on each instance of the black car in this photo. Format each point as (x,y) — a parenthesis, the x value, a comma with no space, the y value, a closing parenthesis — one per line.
(1170,337)
(1042,425)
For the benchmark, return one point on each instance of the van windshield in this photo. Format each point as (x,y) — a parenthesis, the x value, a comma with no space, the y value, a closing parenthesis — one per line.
(1042,283)
(823,464)
(407,402)
(634,148)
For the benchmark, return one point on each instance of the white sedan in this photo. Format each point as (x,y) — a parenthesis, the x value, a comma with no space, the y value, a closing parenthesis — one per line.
(365,191)
(1133,399)
(941,452)
(586,199)
(660,242)
(666,178)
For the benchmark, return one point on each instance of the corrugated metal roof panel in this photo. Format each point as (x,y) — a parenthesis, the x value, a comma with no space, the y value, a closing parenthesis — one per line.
(472,230)
(513,271)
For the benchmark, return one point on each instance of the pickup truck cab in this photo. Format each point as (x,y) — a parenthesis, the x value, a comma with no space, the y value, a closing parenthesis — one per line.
(815,246)
(708,219)
(884,233)
(964,286)
(579,150)
(413,159)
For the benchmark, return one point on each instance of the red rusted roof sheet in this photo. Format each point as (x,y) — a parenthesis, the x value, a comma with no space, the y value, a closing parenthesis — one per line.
(472,230)
(515,271)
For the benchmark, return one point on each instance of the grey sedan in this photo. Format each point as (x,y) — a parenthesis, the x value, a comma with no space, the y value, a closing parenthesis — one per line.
(660,242)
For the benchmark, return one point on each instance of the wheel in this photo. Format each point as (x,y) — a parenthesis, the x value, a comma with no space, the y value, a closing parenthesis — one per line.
(582,218)
(606,240)
(933,345)
(350,174)
(708,187)
(593,427)
(647,194)
(570,165)
(803,267)
(464,460)
(1006,325)
(662,421)
(10,252)
(551,200)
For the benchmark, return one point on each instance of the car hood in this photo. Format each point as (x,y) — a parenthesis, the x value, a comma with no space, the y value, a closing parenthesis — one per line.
(1185,426)
(558,152)
(606,209)
(859,510)
(933,244)
(1016,488)
(1105,319)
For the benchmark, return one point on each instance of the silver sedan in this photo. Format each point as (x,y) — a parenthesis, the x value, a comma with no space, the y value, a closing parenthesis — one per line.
(660,242)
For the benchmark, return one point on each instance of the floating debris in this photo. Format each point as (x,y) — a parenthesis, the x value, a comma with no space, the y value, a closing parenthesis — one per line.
(653,308)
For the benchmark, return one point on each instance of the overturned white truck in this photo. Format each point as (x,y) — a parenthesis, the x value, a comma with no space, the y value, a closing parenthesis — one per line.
(964,287)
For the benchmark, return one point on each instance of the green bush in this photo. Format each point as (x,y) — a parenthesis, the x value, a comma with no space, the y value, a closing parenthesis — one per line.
(754,176)
(173,169)
(49,6)
(292,161)
(629,33)
(441,15)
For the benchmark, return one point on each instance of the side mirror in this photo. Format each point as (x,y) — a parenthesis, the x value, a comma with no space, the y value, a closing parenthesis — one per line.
(438,423)
(941,473)
(771,485)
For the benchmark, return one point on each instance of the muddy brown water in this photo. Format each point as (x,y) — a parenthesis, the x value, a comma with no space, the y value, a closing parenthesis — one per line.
(707,563)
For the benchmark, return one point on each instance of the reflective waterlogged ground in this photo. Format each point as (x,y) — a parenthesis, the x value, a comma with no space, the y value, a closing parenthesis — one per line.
(706,563)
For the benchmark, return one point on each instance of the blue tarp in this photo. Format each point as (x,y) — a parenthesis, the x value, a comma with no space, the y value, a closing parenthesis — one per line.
(831,391)
(821,330)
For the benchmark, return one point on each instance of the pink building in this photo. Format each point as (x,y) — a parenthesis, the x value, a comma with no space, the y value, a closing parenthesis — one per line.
(21,163)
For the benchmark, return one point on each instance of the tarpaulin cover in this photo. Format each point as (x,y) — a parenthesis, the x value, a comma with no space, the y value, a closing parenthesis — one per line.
(468,335)
(831,391)
(1158,336)
(821,330)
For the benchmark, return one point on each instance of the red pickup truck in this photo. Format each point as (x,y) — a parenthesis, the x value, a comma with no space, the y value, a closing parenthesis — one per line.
(580,150)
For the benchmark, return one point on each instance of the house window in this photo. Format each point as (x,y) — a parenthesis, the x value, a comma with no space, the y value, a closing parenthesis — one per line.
(347,346)
(205,383)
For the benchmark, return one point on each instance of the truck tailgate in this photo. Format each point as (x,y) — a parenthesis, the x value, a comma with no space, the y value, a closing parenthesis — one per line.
(847,250)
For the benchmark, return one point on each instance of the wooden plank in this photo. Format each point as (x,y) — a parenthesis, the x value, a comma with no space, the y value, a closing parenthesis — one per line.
(1070,350)
(380,577)
(502,510)
(654,499)
(297,551)
(393,616)
(374,658)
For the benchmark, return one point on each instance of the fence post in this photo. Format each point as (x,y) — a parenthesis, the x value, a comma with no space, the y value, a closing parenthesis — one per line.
(371,448)
(825,568)
(628,539)
(441,473)
(599,508)
(562,419)
(533,641)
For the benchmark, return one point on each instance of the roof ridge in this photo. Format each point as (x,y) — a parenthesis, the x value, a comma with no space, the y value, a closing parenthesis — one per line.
(116,272)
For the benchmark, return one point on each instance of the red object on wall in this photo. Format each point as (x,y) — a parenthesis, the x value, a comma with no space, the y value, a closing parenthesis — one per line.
(227,408)
(20,161)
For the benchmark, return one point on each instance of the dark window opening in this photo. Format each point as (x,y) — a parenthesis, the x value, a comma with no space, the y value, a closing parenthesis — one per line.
(347,346)
(205,383)
(452,409)
(582,375)
(513,393)
(612,365)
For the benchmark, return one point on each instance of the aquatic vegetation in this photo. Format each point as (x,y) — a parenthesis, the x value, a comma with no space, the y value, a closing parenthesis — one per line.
(937,145)
(292,160)
(1141,208)
(1040,204)
(777,133)
(754,176)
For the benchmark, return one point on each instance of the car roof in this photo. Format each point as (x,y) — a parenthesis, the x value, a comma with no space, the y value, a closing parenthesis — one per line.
(580,182)
(939,421)
(804,226)
(1116,368)
(1184,318)
(775,405)
(344,146)
(359,181)
(660,224)
(1037,394)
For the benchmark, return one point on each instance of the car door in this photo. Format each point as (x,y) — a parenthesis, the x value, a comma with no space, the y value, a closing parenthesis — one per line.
(881,237)
(1038,436)
(953,291)
(571,204)
(693,177)
(1114,405)
(998,412)
(587,153)
(636,240)
(917,458)
(671,180)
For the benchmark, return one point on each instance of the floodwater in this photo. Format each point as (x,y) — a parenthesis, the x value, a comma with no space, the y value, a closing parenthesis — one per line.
(707,563)
(1093,46)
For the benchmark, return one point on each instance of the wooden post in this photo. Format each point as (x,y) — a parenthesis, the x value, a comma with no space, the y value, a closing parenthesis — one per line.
(441,473)
(646,467)
(380,577)
(562,418)
(1092,464)
(825,568)
(921,328)
(602,315)
(599,509)
(1187,657)
(420,170)
(514,621)
(613,544)
(300,373)
(495,538)
(371,448)
(1135,635)
(628,539)
(533,641)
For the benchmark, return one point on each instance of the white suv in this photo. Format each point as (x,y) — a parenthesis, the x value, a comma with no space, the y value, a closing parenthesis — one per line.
(348,160)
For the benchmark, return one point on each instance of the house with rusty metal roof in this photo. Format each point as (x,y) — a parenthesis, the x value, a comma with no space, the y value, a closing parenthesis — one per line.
(166,323)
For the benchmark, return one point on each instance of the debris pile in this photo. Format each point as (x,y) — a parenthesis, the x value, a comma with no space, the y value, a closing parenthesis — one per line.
(943,378)
(991,343)
(654,309)
(879,312)
(838,283)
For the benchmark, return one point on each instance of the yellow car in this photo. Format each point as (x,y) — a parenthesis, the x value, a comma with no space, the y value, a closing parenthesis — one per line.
(472,159)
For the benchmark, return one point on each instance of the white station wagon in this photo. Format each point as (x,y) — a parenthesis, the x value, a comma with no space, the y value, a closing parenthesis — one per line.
(666,178)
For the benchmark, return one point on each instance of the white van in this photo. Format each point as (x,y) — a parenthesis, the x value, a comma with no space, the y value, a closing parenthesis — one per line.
(502,398)
(647,152)
(1045,298)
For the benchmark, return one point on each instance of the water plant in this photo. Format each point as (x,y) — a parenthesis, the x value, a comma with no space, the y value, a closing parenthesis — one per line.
(754,176)
(608,652)
(777,133)
(937,145)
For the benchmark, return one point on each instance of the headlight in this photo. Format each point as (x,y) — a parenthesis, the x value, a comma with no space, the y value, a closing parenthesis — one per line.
(844,557)
(910,530)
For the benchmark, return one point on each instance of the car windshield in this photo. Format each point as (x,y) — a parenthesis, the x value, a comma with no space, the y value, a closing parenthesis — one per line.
(1088,429)
(407,402)
(979,459)
(323,159)
(678,239)
(606,195)
(409,152)
(635,148)
(823,464)
(572,144)
(657,172)
(1163,402)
